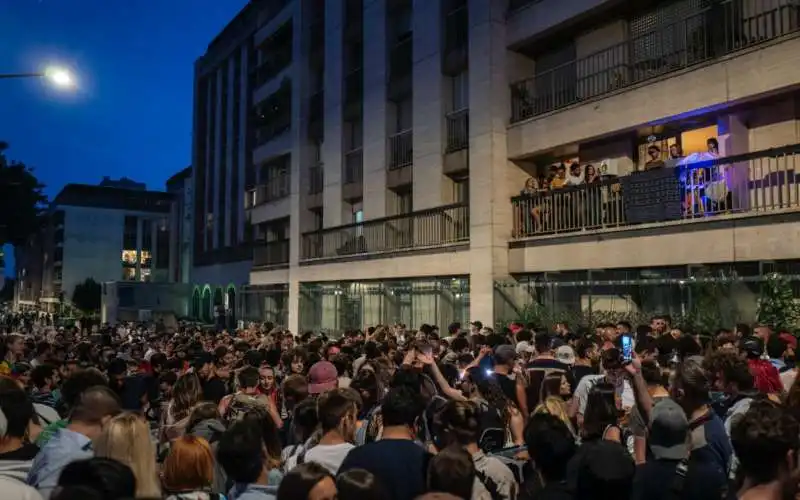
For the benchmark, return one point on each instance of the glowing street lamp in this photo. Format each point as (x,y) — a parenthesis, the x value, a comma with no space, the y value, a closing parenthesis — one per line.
(57,76)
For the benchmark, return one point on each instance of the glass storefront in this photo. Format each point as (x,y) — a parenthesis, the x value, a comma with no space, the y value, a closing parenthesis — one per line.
(260,303)
(703,297)
(350,305)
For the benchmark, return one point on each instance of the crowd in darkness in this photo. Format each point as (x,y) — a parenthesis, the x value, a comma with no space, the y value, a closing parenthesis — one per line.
(535,412)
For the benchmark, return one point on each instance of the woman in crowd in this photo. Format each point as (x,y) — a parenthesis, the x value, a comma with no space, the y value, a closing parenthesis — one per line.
(126,439)
(309,481)
(189,470)
(359,484)
(554,392)
(185,395)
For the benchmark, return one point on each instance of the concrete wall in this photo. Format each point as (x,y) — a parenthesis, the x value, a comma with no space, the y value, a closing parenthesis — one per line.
(532,20)
(701,242)
(713,86)
(237,273)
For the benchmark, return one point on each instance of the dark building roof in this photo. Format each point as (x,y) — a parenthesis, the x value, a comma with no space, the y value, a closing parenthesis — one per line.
(175,183)
(111,197)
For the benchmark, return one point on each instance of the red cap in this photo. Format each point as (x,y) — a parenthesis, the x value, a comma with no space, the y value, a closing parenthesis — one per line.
(322,377)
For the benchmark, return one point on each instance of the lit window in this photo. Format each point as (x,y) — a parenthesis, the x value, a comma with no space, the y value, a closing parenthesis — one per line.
(129,257)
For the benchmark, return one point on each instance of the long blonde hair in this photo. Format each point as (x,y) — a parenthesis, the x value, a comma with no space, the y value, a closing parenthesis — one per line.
(126,439)
(556,407)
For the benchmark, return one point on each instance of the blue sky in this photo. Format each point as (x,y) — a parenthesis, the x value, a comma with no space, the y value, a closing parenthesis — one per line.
(131,113)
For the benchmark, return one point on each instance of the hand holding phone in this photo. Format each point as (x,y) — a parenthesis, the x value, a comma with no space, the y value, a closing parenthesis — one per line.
(627,349)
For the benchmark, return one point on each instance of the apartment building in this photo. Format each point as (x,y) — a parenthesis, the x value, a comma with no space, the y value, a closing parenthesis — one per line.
(392,139)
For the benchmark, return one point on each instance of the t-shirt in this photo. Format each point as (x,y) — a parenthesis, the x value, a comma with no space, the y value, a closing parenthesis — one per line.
(537,370)
(507,385)
(399,464)
(654,481)
(329,456)
(214,390)
(623,389)
(578,372)
(710,443)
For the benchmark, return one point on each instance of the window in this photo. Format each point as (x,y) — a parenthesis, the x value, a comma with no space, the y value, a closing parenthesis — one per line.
(353,135)
(357,210)
(459,91)
(129,236)
(129,257)
(404,115)
(400,23)
(461,191)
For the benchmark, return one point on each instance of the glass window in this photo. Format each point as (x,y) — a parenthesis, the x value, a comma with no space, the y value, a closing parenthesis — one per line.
(460,91)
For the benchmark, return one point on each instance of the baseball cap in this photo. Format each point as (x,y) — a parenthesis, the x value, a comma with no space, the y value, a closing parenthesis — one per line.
(322,377)
(752,346)
(525,346)
(566,355)
(504,353)
(668,428)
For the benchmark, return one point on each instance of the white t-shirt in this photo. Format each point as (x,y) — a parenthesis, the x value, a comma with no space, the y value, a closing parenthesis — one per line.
(623,389)
(329,456)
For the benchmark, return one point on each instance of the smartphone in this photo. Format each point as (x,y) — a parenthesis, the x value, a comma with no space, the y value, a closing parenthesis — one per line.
(627,348)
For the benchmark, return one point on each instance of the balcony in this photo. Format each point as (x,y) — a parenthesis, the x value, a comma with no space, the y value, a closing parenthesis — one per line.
(401,149)
(750,185)
(456,41)
(272,190)
(353,167)
(270,254)
(708,35)
(457,130)
(438,227)
(316,179)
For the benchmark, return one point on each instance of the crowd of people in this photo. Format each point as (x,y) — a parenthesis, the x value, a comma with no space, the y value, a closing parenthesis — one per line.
(142,411)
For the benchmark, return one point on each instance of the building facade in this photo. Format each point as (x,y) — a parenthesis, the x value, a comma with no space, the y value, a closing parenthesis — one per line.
(391,161)
(104,233)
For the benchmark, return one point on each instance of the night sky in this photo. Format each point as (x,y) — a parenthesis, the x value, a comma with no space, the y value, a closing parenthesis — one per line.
(131,114)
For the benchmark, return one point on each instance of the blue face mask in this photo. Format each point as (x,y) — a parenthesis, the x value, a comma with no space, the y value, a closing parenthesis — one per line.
(717,396)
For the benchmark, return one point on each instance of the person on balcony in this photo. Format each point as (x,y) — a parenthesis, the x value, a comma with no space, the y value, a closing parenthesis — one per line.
(655,161)
(575,175)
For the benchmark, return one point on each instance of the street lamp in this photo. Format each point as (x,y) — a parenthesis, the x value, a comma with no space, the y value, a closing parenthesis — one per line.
(57,76)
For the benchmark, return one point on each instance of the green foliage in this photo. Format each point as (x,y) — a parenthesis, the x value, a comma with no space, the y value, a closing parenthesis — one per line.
(776,304)
(21,201)
(87,296)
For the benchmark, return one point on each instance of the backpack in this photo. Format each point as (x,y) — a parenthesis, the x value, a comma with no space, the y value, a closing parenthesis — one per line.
(492,427)
(368,431)
(240,405)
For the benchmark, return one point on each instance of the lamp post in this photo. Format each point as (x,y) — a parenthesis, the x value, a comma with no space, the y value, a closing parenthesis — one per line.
(58,77)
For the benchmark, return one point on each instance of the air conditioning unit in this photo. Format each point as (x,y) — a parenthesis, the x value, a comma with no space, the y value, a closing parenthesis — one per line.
(609,167)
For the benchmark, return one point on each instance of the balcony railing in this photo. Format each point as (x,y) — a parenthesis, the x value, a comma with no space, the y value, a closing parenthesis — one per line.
(437,227)
(316,179)
(401,149)
(353,166)
(274,189)
(727,27)
(457,130)
(756,183)
(273,253)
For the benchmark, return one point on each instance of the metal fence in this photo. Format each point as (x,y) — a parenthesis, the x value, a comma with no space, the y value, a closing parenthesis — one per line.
(759,182)
(716,31)
(271,253)
(436,227)
(401,149)
(353,166)
(457,130)
(274,189)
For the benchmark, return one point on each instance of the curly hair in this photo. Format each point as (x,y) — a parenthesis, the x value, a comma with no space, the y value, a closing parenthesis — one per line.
(762,438)
(731,367)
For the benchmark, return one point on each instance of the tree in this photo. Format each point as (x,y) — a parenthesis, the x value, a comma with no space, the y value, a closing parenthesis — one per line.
(87,295)
(21,201)
(7,293)
(776,305)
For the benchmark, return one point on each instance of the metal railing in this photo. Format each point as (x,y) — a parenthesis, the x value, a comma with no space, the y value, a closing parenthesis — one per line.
(755,183)
(725,28)
(353,166)
(401,149)
(457,130)
(274,189)
(436,227)
(272,253)
(316,179)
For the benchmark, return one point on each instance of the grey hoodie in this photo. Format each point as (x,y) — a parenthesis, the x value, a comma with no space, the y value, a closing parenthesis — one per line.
(210,430)
(734,414)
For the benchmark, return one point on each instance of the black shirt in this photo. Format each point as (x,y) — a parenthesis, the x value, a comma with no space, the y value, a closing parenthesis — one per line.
(655,480)
(580,371)
(508,385)
(27,452)
(400,465)
(214,390)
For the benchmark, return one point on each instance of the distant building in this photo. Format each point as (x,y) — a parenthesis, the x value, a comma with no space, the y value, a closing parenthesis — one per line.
(123,183)
(104,233)
(181,226)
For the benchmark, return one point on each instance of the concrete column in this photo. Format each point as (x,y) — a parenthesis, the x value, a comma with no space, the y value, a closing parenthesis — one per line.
(491,174)
(243,115)
(219,116)
(375,109)
(332,146)
(428,103)
(227,161)
(139,257)
(300,160)
(734,139)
